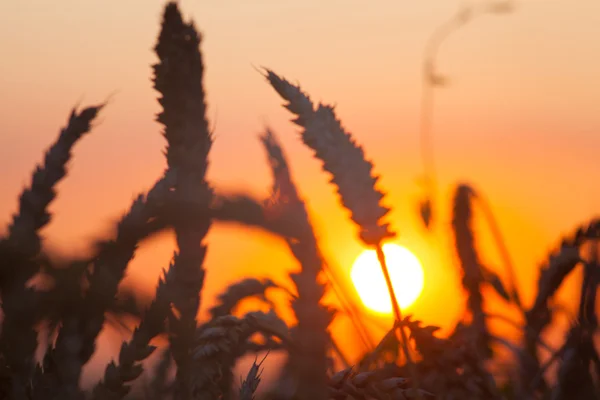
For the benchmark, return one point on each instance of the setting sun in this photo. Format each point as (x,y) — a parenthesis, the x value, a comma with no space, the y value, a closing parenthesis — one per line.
(406,274)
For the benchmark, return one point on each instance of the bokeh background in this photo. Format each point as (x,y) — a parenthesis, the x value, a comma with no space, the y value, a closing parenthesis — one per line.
(519,121)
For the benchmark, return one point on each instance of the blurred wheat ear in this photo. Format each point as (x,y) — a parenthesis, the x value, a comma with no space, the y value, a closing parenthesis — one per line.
(250,384)
(471,265)
(178,77)
(22,246)
(308,362)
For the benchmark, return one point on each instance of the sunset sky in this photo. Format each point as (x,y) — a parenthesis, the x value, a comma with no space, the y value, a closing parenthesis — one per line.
(519,121)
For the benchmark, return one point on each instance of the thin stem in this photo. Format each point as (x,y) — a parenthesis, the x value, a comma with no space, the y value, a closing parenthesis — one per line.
(540,374)
(388,281)
(426,140)
(398,316)
(428,86)
(520,328)
(349,306)
(430,79)
(504,253)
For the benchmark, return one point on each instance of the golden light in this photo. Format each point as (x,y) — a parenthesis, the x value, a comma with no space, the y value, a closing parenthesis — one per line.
(405,271)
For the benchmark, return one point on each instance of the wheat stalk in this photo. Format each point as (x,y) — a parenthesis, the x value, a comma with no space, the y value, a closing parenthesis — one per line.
(432,79)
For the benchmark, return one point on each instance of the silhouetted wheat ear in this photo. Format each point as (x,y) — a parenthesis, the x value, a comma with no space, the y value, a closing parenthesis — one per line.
(19,249)
(116,376)
(286,195)
(579,354)
(308,363)
(84,319)
(178,77)
(342,157)
(220,342)
(571,378)
(473,277)
(238,291)
(451,368)
(250,384)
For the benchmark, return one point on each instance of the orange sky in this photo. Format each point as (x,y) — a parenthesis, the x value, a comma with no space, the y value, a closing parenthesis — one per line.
(519,120)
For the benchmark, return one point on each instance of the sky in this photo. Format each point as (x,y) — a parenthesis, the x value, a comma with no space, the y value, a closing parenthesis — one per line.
(518,121)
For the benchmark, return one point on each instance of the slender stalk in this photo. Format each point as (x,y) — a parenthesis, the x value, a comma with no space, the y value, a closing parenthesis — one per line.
(542,370)
(398,315)
(426,140)
(349,306)
(504,253)
(430,80)
(388,281)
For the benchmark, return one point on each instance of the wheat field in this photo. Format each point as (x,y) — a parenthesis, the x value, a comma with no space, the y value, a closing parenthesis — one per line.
(62,316)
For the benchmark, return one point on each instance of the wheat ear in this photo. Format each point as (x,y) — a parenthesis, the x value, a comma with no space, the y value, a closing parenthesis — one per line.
(250,384)
(309,362)
(470,263)
(84,319)
(178,77)
(286,190)
(116,377)
(559,265)
(238,291)
(18,340)
(452,368)
(351,173)
(348,384)
(342,157)
(221,342)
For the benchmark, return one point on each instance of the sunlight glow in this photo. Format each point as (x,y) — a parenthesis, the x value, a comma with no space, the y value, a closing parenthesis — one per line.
(406,274)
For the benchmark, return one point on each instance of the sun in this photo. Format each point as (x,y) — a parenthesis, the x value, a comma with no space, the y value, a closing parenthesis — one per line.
(406,274)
